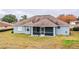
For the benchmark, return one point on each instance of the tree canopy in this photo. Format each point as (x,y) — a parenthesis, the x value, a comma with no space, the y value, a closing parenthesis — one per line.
(9,18)
(24,17)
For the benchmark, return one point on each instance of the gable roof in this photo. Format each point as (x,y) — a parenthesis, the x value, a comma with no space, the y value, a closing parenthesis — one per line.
(42,21)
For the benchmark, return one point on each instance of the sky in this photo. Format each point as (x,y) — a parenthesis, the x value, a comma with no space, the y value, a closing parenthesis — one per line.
(32,12)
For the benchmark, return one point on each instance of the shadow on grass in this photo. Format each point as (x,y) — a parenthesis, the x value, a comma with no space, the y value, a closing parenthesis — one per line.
(6,30)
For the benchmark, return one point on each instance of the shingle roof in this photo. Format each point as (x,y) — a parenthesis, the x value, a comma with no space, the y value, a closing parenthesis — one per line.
(2,24)
(42,21)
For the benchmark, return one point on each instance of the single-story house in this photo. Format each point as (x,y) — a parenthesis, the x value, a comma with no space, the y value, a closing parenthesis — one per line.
(5,25)
(42,25)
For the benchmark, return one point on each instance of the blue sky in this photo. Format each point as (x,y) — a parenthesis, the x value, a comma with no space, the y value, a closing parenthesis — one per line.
(32,12)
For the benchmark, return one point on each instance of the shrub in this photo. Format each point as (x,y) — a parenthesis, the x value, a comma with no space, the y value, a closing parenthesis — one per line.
(12,31)
(76,29)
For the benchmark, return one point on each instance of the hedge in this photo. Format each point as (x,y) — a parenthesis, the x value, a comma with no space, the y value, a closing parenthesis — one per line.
(76,29)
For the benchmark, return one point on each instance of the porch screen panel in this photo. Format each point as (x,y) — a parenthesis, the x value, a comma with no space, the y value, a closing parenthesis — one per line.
(36,30)
(48,30)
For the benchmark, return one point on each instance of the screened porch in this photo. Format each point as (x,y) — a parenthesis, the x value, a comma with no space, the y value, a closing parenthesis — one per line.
(43,31)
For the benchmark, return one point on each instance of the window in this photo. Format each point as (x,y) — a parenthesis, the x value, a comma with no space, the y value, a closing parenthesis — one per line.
(58,27)
(65,31)
(27,28)
(19,28)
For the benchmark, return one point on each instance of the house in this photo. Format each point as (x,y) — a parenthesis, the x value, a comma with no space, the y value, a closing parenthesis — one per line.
(67,18)
(74,24)
(42,25)
(5,25)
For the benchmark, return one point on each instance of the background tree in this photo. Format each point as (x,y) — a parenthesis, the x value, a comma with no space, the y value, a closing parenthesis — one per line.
(67,18)
(9,18)
(24,17)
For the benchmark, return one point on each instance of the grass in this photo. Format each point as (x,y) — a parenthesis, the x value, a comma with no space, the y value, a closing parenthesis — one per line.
(11,40)
(70,43)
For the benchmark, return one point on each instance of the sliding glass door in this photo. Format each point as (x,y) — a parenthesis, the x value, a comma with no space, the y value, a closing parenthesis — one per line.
(43,31)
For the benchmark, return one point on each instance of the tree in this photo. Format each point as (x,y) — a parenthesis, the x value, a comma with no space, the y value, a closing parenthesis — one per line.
(24,17)
(9,18)
(67,18)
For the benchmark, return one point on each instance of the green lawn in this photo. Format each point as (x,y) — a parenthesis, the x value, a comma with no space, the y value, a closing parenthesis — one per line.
(11,40)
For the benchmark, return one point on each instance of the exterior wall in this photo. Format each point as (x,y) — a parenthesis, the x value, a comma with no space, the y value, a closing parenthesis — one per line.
(24,30)
(63,30)
(17,31)
(27,32)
